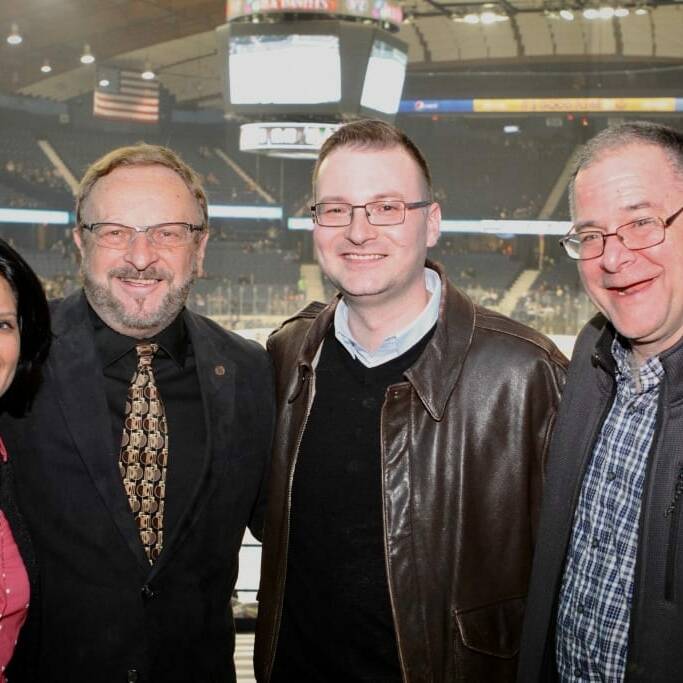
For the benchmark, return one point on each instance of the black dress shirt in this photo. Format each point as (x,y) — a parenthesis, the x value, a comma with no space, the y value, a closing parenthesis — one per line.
(175,372)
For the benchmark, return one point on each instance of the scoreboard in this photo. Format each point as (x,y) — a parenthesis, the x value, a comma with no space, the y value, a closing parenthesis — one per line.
(332,69)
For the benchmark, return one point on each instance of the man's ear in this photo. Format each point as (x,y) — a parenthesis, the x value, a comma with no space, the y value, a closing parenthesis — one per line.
(433,223)
(77,234)
(200,253)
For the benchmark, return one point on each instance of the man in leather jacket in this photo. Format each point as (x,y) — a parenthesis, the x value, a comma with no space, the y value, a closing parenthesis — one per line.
(411,440)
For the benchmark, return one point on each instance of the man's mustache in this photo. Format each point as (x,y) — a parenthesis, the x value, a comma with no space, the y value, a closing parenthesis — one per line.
(150,273)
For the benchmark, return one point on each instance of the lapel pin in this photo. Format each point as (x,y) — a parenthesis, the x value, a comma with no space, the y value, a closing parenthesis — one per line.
(219,370)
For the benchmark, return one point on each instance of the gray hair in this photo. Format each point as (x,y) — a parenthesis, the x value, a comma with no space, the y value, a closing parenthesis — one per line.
(141,154)
(668,139)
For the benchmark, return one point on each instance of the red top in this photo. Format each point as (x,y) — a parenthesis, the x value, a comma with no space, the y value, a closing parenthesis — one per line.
(14,589)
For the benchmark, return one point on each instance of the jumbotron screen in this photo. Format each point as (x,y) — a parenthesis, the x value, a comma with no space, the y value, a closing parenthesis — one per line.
(289,69)
(302,68)
(384,78)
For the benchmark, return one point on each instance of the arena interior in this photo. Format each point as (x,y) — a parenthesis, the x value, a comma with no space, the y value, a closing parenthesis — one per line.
(498,95)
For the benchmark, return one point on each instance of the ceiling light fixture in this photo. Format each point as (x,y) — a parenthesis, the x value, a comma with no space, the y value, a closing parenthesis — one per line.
(148,74)
(567,14)
(471,19)
(104,83)
(46,68)
(606,12)
(14,38)
(87,57)
(641,11)
(591,13)
(621,12)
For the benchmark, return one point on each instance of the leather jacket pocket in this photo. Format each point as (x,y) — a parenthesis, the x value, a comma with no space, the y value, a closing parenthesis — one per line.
(493,630)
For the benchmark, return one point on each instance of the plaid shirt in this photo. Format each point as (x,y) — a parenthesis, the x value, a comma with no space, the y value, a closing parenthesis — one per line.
(597,586)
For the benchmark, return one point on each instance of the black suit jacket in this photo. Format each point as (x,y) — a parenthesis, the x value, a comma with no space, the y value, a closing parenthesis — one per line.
(104,613)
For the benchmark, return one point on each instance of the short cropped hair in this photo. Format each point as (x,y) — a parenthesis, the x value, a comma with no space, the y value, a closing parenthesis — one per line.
(668,139)
(374,135)
(141,154)
(34,325)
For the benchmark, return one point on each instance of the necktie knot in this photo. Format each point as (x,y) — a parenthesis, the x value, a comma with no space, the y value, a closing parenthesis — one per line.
(146,350)
(146,353)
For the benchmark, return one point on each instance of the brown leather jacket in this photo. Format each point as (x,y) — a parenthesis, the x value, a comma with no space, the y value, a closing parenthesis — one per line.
(464,441)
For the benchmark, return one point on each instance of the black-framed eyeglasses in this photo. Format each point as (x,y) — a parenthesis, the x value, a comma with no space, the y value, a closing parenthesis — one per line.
(382,212)
(118,236)
(641,233)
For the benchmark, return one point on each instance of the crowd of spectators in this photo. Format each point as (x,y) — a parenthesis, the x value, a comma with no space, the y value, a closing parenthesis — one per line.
(37,174)
(556,303)
(245,304)
(12,199)
(59,286)
(479,171)
(561,310)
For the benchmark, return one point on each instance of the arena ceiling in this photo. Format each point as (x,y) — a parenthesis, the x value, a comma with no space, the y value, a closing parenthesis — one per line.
(176,37)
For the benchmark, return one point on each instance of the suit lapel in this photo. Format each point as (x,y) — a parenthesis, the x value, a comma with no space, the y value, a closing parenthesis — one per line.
(216,374)
(81,394)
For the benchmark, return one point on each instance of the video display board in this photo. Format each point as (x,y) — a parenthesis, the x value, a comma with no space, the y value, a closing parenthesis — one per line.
(284,69)
(384,78)
(308,68)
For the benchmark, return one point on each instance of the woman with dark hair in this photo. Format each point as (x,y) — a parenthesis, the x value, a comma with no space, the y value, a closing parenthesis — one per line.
(24,342)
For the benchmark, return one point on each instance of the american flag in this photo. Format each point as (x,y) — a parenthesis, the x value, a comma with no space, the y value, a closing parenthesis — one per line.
(127,96)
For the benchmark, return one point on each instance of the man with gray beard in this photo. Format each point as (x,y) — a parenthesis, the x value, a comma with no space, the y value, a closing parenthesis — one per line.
(143,458)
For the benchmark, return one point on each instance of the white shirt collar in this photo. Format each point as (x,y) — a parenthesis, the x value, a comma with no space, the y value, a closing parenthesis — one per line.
(397,344)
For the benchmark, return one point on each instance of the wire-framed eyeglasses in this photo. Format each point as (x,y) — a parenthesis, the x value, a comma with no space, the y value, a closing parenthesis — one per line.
(118,236)
(641,233)
(382,212)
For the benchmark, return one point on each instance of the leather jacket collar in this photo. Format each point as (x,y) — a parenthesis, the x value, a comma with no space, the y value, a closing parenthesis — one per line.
(442,358)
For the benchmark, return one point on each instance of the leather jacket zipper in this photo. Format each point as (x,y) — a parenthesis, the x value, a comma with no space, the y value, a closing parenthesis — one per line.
(392,599)
(276,630)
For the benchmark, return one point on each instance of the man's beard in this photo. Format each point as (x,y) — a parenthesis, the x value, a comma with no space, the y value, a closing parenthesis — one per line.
(111,310)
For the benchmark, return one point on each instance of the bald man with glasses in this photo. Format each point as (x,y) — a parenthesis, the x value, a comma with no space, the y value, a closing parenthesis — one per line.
(606,597)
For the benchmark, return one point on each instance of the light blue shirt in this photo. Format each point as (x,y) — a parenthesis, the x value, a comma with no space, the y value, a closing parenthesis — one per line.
(397,344)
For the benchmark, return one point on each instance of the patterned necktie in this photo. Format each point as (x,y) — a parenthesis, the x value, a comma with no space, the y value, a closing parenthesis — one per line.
(144,452)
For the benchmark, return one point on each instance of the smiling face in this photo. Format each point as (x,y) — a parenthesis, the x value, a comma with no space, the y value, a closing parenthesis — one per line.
(641,292)
(10,340)
(138,291)
(369,264)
